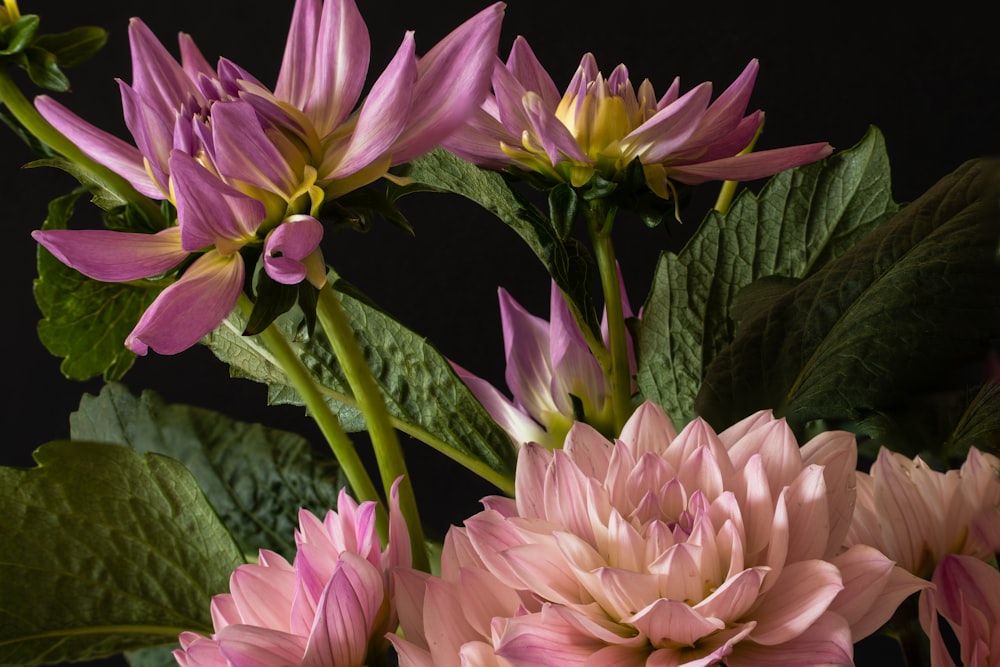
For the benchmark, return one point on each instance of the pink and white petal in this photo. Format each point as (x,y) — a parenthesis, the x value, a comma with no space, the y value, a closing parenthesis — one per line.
(545,639)
(453,81)
(412,655)
(103,147)
(298,64)
(575,371)
(533,462)
(808,515)
(802,595)
(734,597)
(527,69)
(931,624)
(409,588)
(384,113)
(111,256)
(198,651)
(398,553)
(252,646)
(750,166)
(516,423)
(825,643)
(709,652)
(874,587)
(190,308)
(541,568)
(209,211)
(964,581)
(224,611)
(648,430)
(341,65)
(777,446)
(263,595)
(526,349)
(668,622)
(837,452)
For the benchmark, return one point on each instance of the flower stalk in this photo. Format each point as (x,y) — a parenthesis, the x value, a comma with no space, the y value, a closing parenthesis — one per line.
(329,425)
(388,452)
(25,113)
(600,221)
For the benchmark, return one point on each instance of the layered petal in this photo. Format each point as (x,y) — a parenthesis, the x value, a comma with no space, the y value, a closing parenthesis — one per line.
(111,256)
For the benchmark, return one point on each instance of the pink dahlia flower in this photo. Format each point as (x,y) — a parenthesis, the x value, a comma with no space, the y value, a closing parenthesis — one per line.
(248,166)
(332,606)
(661,548)
(967,595)
(601,125)
(551,372)
(916,515)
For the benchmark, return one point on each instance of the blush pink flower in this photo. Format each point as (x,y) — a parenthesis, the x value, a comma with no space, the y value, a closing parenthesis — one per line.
(600,125)
(661,548)
(332,606)
(967,595)
(916,515)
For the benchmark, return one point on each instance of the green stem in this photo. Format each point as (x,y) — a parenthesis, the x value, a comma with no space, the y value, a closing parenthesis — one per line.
(601,219)
(329,425)
(28,116)
(385,442)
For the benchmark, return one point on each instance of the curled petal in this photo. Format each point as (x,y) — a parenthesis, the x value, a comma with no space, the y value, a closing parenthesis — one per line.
(288,244)
(111,256)
(190,308)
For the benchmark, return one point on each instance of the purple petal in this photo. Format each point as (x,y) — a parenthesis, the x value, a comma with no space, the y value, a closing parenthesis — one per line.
(342,56)
(152,133)
(526,68)
(190,308)
(556,138)
(100,146)
(668,128)
(192,61)
(526,346)
(758,164)
(287,245)
(245,153)
(384,113)
(156,76)
(575,371)
(209,211)
(454,80)
(114,256)
(726,112)
(295,78)
(519,426)
(478,141)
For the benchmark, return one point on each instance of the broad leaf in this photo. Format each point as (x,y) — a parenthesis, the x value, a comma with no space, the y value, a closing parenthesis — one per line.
(979,426)
(425,397)
(105,550)
(256,478)
(85,321)
(885,324)
(565,259)
(801,219)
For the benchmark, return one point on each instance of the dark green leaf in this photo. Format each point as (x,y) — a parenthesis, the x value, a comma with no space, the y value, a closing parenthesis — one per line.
(801,219)
(882,326)
(105,550)
(85,321)
(17,35)
(256,478)
(425,397)
(979,426)
(103,198)
(74,47)
(566,261)
(562,209)
(43,69)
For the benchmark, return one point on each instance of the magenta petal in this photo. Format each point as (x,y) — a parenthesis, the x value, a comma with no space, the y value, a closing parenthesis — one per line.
(111,256)
(342,55)
(726,112)
(526,68)
(243,152)
(454,80)
(478,141)
(192,60)
(526,346)
(670,127)
(575,371)
(384,113)
(156,76)
(102,147)
(295,78)
(209,211)
(750,166)
(190,308)
(287,245)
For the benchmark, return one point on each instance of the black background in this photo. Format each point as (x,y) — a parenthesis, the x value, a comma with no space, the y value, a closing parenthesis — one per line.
(929,81)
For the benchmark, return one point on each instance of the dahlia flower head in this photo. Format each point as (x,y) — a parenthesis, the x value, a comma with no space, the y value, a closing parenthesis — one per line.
(967,596)
(661,548)
(247,166)
(551,372)
(332,606)
(600,125)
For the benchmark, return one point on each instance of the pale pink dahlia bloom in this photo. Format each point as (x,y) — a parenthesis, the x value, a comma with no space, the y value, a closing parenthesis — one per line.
(967,595)
(661,548)
(917,515)
(331,606)
(600,125)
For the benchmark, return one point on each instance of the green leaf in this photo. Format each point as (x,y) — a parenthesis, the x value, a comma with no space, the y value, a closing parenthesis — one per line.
(978,426)
(256,478)
(566,260)
(86,321)
(802,219)
(425,397)
(74,47)
(17,35)
(43,70)
(106,550)
(882,326)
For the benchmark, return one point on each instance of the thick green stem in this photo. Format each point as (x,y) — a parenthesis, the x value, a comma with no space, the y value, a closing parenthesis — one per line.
(26,114)
(329,425)
(385,442)
(601,221)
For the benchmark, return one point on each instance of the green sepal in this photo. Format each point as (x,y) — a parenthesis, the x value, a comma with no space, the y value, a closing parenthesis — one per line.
(563,202)
(75,46)
(17,35)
